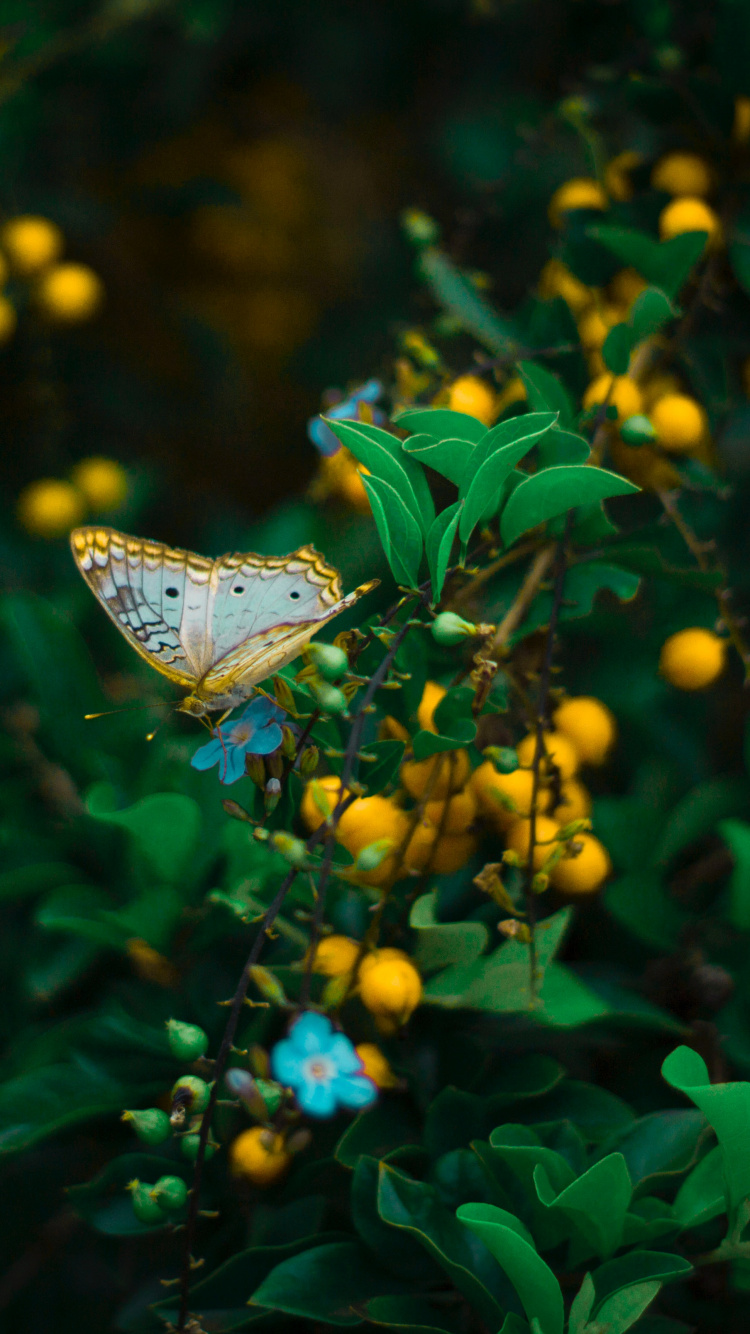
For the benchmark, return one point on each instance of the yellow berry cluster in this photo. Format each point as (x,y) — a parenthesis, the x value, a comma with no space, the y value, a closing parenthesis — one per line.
(51,506)
(388,983)
(63,292)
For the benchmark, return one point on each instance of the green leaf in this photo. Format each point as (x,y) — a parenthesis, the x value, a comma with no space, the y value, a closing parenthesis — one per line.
(389,754)
(554,491)
(596,1202)
(460,298)
(23,881)
(500,980)
(441,423)
(651,310)
(638,1267)
(559,446)
(520,1150)
(396,1250)
(737,835)
(413,1313)
(583,582)
(697,813)
(617,348)
(702,1195)
(482,483)
(165,832)
(386,1126)
(84,912)
(533,1280)
(448,457)
(399,532)
(545,392)
(581,1305)
(381,453)
(622,1310)
(426,743)
(666,264)
(725,1106)
(659,1145)
(439,545)
(331,1283)
(443,943)
(104,1203)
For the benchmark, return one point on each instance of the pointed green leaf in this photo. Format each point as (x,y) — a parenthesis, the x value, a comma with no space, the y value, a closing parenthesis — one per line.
(448,457)
(382,455)
(413,1313)
(617,348)
(736,833)
(596,1202)
(650,311)
(441,423)
(545,392)
(165,830)
(726,1106)
(399,532)
(427,743)
(702,1195)
(388,756)
(666,264)
(502,448)
(580,1309)
(622,1310)
(554,491)
(533,1280)
(439,545)
(559,446)
(443,943)
(460,298)
(328,1283)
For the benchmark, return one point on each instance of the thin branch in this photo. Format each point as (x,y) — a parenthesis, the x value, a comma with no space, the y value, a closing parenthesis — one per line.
(523,599)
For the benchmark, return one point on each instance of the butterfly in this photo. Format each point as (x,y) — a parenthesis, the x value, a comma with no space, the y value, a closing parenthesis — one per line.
(215,627)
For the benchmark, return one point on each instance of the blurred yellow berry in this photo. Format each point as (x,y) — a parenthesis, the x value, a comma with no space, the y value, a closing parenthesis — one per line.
(443,854)
(70,293)
(680,423)
(368,820)
(644,466)
(490,787)
(431,697)
(559,751)
(626,285)
(259,1156)
(518,837)
(682,174)
(580,192)
(688,214)
(451,767)
(556,279)
(741,127)
(390,985)
(474,396)
(309,809)
(31,243)
(692,659)
(596,322)
(657,386)
(575,802)
(50,508)
(618,391)
(617,175)
(585,872)
(341,475)
(454,816)
(375,1066)
(393,729)
(590,726)
(335,956)
(103,482)
(8,319)
(149,964)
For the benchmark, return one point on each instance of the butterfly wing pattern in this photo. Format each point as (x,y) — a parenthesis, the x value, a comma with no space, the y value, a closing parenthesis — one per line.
(215,627)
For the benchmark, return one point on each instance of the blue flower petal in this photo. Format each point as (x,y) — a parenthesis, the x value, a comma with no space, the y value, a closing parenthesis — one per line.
(370,391)
(207,756)
(317,1098)
(265,740)
(285,1063)
(311,1034)
(233,766)
(262,710)
(342,1053)
(354,1091)
(322,437)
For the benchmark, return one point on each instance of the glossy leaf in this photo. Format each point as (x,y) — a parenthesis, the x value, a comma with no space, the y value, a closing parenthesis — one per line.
(638,1267)
(581,1306)
(659,1145)
(559,446)
(165,831)
(665,264)
(382,455)
(702,1195)
(545,392)
(554,491)
(617,348)
(725,1106)
(441,423)
(596,1202)
(500,980)
(399,532)
(443,943)
(388,756)
(736,833)
(623,1308)
(481,484)
(650,311)
(449,457)
(413,1313)
(331,1283)
(533,1280)
(439,546)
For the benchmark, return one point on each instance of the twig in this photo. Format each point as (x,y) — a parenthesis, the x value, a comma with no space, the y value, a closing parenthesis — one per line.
(523,599)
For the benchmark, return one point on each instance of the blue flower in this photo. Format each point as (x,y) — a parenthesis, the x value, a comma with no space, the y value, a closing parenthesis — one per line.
(255,732)
(322,1067)
(346,409)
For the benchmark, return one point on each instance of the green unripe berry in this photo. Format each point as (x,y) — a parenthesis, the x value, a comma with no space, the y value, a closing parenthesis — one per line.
(450,629)
(190,1144)
(187,1042)
(170,1193)
(290,848)
(145,1208)
(151,1125)
(329,698)
(420,227)
(637,430)
(504,758)
(373,856)
(193,1093)
(329,661)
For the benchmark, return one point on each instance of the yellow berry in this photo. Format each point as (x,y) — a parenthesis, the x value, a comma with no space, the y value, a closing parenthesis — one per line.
(741,127)
(644,466)
(575,802)
(625,287)
(31,243)
(431,697)
(375,1066)
(70,293)
(446,772)
(8,319)
(259,1156)
(585,872)
(489,786)
(590,726)
(680,423)
(309,810)
(370,819)
(103,482)
(688,214)
(392,728)
(617,175)
(618,391)
(454,816)
(556,279)
(559,751)
(519,834)
(692,659)
(580,192)
(595,324)
(682,174)
(474,396)
(50,508)
(390,985)
(443,855)
(335,956)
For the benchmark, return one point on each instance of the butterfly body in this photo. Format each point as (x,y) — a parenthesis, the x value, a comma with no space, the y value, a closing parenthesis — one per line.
(215,627)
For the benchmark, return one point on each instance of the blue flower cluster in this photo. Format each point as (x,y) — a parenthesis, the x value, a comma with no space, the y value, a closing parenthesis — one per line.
(346,409)
(322,1067)
(256,732)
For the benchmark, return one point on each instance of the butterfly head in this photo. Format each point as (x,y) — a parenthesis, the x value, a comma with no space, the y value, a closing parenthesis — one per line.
(197,708)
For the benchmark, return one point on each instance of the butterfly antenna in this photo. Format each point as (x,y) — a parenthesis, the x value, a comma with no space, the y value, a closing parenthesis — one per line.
(150,735)
(127,708)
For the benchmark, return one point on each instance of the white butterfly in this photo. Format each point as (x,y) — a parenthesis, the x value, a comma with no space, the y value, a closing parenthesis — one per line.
(216,627)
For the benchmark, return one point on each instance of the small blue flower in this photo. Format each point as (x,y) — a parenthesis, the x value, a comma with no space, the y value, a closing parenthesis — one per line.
(322,1067)
(346,409)
(255,732)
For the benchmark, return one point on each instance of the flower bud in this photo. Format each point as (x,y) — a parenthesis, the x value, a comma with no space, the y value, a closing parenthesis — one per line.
(191,1094)
(309,762)
(291,849)
(450,629)
(420,227)
(170,1193)
(283,692)
(268,984)
(504,758)
(329,662)
(255,768)
(241,1083)
(187,1042)
(637,430)
(152,1125)
(288,743)
(275,764)
(146,1209)
(272,795)
(373,856)
(329,698)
